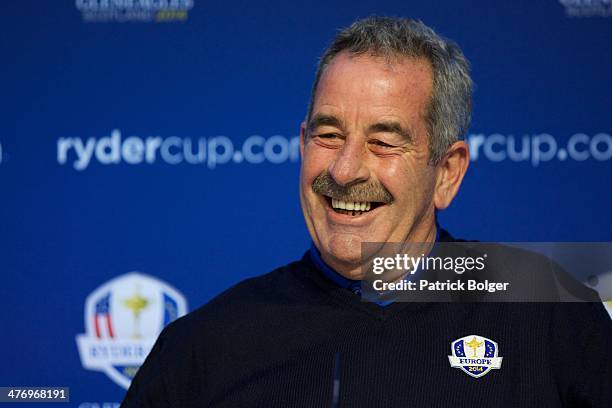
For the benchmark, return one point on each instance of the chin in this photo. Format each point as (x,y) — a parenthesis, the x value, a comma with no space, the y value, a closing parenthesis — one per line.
(345,249)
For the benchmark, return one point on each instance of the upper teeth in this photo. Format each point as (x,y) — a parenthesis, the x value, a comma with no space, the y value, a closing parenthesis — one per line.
(351,205)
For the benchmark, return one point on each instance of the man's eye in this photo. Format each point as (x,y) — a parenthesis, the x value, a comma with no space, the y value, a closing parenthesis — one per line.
(381,144)
(327,136)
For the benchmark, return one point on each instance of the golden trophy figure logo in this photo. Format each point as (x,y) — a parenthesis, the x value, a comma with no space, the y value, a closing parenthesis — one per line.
(136,304)
(474,345)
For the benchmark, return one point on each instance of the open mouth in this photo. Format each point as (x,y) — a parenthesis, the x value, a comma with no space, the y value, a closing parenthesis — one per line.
(352,208)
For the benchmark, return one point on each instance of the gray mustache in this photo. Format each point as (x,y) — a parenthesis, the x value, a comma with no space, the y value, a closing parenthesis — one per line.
(373,192)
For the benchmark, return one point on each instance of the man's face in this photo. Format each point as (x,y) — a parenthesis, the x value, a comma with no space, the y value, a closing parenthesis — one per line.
(367,142)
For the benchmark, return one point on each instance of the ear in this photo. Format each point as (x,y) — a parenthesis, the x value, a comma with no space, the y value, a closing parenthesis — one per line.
(302,138)
(450,172)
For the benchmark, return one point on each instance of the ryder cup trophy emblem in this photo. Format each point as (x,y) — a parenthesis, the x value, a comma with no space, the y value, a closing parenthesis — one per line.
(123,318)
(136,304)
(475,355)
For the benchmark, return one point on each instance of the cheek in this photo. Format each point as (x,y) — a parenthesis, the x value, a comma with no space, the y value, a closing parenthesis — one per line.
(314,161)
(313,164)
(396,175)
(407,181)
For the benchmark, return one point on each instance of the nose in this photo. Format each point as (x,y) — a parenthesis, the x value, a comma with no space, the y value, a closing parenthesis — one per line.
(349,166)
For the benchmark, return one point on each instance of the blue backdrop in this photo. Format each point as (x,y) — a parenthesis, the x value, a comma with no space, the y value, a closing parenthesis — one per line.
(163,140)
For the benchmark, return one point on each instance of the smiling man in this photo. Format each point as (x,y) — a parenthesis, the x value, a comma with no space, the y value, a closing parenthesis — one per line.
(371,172)
(381,154)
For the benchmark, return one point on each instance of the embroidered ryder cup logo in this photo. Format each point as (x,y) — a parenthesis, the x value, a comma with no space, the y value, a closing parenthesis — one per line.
(123,318)
(475,355)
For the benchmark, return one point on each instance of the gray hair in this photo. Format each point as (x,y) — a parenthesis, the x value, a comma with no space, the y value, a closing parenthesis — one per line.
(449,110)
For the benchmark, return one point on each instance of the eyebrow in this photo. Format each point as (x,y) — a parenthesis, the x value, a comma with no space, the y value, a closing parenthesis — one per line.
(324,120)
(391,127)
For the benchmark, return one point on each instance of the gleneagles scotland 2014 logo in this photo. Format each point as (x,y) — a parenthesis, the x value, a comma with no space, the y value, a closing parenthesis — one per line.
(475,355)
(123,318)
